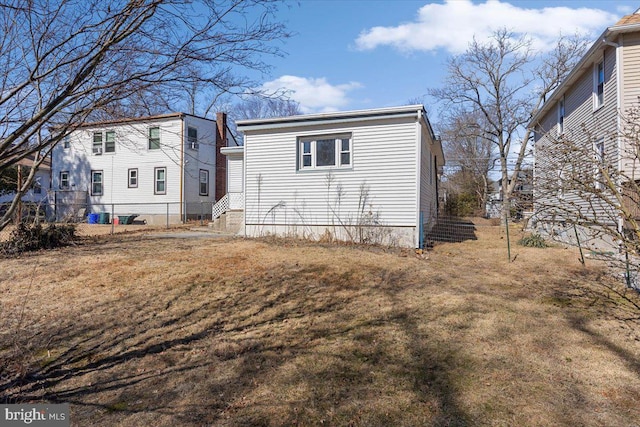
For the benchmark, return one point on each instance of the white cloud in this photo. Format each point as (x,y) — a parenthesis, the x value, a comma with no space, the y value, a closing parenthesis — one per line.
(314,94)
(452,25)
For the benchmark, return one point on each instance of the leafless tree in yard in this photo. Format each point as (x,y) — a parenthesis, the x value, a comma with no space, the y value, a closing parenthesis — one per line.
(504,82)
(64,62)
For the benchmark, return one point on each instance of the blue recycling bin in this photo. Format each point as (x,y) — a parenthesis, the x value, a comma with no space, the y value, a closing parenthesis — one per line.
(93,218)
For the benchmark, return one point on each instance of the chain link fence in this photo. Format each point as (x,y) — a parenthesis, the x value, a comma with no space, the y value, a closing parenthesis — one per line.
(109,218)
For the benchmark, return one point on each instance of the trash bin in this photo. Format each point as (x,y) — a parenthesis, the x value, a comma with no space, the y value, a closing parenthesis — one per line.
(93,218)
(104,217)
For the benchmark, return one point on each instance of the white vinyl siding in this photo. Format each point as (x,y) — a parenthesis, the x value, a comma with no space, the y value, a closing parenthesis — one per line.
(383,174)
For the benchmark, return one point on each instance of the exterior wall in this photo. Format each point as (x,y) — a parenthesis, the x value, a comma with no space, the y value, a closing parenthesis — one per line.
(583,125)
(281,199)
(204,158)
(428,182)
(630,101)
(235,181)
(131,152)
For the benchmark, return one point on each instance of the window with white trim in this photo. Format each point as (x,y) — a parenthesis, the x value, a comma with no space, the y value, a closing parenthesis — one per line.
(66,143)
(561,116)
(64,180)
(598,84)
(110,142)
(97,143)
(192,138)
(323,152)
(133,178)
(204,182)
(36,186)
(160,181)
(97,183)
(154,138)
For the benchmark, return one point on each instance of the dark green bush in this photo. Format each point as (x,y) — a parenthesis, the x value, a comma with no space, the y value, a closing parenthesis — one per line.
(533,241)
(33,237)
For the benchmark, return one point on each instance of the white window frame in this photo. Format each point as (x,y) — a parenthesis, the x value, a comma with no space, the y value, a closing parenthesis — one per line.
(561,115)
(132,181)
(108,149)
(64,180)
(156,180)
(203,180)
(36,185)
(598,96)
(192,142)
(66,142)
(149,140)
(94,182)
(97,146)
(343,158)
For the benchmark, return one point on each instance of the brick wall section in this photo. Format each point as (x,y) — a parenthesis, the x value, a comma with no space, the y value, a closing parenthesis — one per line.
(221,161)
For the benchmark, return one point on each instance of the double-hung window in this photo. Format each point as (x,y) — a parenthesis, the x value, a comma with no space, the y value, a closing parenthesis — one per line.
(204,182)
(154,138)
(133,178)
(561,116)
(160,181)
(64,180)
(97,184)
(192,138)
(324,152)
(598,85)
(97,143)
(66,143)
(109,142)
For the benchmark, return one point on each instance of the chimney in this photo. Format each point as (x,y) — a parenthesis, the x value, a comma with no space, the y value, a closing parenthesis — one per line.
(221,161)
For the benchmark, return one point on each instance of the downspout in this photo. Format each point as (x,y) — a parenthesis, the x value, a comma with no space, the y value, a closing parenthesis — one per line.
(183,206)
(618,48)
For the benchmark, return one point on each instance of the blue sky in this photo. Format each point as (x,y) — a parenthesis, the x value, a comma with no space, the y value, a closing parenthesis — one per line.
(355,54)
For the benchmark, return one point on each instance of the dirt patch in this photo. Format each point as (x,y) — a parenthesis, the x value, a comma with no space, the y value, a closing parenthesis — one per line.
(133,330)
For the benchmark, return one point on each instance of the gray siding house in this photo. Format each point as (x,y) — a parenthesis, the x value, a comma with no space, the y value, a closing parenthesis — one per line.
(580,136)
(367,175)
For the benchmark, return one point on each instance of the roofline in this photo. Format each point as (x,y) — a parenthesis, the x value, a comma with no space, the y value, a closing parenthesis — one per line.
(176,115)
(334,117)
(576,72)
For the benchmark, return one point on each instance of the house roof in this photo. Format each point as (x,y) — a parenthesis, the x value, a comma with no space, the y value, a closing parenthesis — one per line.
(176,115)
(628,24)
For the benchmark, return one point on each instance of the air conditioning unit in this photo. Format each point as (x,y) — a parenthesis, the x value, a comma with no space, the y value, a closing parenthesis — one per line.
(193,145)
(97,151)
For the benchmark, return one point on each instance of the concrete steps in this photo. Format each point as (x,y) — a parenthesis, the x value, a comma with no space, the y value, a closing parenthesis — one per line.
(229,222)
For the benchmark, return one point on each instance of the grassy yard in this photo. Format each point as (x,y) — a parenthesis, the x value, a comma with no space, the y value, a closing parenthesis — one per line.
(139,331)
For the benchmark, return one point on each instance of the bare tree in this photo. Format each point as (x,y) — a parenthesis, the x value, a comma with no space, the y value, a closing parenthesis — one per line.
(504,82)
(67,61)
(469,158)
(258,107)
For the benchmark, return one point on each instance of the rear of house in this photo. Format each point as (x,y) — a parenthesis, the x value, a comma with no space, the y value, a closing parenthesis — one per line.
(161,167)
(365,176)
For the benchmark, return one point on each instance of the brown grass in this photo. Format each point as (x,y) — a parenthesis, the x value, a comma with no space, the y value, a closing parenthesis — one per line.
(141,331)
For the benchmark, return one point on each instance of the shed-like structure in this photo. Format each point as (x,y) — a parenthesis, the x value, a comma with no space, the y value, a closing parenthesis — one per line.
(366,176)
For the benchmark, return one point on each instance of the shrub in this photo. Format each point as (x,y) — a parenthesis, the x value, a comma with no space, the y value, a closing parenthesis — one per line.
(32,237)
(533,241)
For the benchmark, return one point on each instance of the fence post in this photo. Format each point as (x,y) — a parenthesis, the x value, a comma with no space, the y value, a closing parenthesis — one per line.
(202,213)
(113,220)
(167,215)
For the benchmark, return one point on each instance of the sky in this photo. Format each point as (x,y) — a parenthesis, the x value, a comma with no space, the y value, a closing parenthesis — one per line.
(356,54)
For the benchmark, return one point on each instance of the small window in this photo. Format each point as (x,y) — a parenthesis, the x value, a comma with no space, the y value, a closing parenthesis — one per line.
(96,183)
(154,138)
(133,178)
(561,116)
(64,180)
(36,186)
(598,85)
(204,182)
(324,152)
(160,181)
(97,143)
(192,138)
(66,143)
(110,142)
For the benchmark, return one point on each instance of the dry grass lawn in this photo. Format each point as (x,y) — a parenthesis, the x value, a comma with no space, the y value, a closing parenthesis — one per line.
(139,331)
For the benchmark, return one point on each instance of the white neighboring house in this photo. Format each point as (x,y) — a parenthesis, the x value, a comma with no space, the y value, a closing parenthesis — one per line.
(39,191)
(162,168)
(365,176)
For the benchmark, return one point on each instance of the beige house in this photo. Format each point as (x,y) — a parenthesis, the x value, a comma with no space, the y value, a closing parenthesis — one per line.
(581,146)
